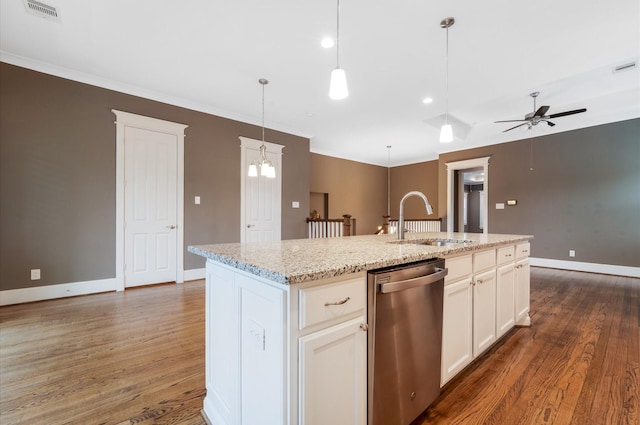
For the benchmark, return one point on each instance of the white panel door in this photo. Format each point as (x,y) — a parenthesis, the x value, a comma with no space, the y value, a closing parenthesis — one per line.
(261,196)
(150,207)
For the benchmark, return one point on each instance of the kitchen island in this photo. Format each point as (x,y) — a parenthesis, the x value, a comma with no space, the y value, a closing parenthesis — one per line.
(286,336)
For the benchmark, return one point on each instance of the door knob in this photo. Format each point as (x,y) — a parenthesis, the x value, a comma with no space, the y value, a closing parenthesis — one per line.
(250,225)
(171,227)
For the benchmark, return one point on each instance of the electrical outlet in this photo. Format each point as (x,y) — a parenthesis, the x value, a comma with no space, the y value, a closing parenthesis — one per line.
(35,274)
(572,253)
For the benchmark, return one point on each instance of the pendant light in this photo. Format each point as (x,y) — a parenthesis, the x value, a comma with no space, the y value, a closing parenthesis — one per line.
(446,132)
(266,167)
(338,87)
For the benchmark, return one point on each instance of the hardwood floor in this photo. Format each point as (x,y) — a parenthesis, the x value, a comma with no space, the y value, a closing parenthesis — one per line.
(137,357)
(132,357)
(578,364)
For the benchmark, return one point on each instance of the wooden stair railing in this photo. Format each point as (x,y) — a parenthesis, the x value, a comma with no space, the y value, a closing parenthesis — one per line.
(331,227)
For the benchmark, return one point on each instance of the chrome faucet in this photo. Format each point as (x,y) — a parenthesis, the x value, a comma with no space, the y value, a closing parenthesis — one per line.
(401,220)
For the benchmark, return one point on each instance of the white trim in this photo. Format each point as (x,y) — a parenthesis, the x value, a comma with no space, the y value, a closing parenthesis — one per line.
(464,165)
(63,290)
(126,119)
(586,267)
(194,274)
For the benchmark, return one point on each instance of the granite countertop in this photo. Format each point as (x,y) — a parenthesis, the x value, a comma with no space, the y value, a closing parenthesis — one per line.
(300,260)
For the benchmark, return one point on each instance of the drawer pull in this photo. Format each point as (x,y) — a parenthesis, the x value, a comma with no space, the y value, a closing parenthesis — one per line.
(364,326)
(337,302)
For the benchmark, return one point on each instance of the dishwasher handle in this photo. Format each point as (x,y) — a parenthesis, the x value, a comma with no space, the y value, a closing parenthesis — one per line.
(401,285)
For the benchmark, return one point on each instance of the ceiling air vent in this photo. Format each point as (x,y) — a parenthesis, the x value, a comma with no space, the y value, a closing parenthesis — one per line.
(42,10)
(625,67)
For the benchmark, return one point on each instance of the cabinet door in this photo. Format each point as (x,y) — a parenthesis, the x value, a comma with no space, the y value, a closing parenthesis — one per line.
(522,292)
(333,376)
(505,299)
(457,351)
(484,311)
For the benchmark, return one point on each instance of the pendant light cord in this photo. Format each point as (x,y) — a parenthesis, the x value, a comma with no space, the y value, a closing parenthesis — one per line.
(262,111)
(389,180)
(446,119)
(338,35)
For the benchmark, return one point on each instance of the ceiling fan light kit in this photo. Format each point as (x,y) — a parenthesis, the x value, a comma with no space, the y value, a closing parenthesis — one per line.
(539,115)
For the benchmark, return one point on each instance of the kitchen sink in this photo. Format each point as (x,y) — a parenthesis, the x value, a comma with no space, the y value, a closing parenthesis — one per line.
(435,242)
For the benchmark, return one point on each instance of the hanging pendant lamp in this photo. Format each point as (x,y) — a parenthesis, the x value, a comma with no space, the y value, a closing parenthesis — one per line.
(446,132)
(338,87)
(266,167)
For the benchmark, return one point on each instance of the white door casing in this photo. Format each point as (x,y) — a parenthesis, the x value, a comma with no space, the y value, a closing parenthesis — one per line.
(261,197)
(464,165)
(163,143)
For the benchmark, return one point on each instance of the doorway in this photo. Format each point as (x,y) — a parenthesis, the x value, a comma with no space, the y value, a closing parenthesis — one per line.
(149,200)
(455,193)
(470,199)
(261,197)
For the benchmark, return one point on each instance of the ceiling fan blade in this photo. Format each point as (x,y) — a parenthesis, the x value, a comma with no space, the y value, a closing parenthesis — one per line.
(541,111)
(511,121)
(564,114)
(519,125)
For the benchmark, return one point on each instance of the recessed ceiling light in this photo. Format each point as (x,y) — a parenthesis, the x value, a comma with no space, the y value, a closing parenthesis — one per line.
(427,100)
(327,42)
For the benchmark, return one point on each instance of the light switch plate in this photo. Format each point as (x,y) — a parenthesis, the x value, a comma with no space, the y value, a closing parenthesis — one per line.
(295,204)
(500,206)
(197,200)
(35,274)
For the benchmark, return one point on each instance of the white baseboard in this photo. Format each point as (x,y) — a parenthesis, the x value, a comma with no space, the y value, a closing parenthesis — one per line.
(62,290)
(48,292)
(586,267)
(194,274)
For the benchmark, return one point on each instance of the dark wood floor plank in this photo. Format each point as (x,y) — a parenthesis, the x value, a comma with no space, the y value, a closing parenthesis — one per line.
(137,357)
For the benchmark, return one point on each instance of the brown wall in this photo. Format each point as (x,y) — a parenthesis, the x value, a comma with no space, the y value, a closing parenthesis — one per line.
(353,187)
(422,177)
(57,177)
(583,192)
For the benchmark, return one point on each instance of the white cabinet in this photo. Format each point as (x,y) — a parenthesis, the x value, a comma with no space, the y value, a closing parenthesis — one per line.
(505,299)
(522,285)
(333,375)
(284,354)
(484,311)
(332,354)
(484,300)
(457,327)
(485,294)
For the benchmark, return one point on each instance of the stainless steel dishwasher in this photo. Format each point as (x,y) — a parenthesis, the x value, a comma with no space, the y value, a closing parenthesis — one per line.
(405,340)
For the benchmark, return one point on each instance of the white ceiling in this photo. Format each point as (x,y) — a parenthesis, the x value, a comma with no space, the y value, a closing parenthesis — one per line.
(209,54)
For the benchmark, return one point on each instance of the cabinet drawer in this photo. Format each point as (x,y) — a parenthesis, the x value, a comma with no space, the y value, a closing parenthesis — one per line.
(522,250)
(327,302)
(505,254)
(484,260)
(458,267)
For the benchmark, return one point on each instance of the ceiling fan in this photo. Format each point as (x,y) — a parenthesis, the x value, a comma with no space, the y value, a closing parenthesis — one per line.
(538,115)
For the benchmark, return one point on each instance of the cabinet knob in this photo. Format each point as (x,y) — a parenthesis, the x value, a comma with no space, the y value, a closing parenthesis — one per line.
(480,281)
(364,326)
